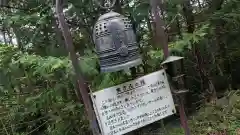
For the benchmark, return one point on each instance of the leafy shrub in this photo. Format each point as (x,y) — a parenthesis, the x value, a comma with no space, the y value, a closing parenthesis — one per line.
(37,95)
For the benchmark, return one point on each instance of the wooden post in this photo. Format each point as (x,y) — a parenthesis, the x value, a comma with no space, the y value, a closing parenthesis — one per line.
(81,83)
(162,38)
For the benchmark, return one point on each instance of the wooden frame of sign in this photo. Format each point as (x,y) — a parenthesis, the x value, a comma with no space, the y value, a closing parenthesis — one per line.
(135,104)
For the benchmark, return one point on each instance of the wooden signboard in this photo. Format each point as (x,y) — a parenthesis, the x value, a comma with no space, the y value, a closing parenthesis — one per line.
(132,105)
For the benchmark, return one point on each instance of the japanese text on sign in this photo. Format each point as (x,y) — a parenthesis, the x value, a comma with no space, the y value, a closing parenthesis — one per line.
(129,106)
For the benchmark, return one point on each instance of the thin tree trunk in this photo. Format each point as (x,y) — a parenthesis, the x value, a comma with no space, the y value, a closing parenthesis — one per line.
(18,38)
(221,45)
(161,35)
(179,27)
(4,37)
(60,41)
(187,11)
(118,6)
(199,4)
(151,32)
(10,41)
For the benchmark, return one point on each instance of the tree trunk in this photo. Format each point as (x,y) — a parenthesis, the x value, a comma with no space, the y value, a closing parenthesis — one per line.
(187,11)
(58,34)
(179,27)
(222,52)
(151,32)
(118,6)
(199,4)
(10,41)
(4,37)
(18,37)
(161,35)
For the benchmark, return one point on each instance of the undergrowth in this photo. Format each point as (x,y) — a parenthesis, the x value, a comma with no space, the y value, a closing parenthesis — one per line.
(224,115)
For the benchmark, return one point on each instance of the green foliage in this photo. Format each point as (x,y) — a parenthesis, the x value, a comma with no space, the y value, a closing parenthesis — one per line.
(222,116)
(188,39)
(40,93)
(37,93)
(41,89)
(176,131)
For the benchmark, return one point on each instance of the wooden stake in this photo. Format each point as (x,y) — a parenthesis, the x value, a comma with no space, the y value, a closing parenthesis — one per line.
(81,83)
(162,38)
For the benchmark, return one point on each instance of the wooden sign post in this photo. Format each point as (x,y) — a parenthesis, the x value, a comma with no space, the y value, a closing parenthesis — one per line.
(135,104)
(81,83)
(161,35)
(175,69)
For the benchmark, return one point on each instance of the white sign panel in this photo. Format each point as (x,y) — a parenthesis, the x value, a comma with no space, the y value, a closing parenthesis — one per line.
(129,106)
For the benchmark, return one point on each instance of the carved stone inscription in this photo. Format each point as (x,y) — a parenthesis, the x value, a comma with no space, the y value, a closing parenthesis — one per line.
(129,106)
